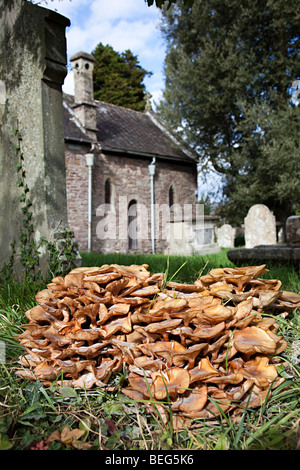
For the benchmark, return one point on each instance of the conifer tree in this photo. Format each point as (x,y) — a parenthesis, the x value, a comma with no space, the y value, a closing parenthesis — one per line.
(229,70)
(118,78)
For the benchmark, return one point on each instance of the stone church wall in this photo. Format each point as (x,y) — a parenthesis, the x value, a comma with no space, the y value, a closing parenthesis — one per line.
(129,179)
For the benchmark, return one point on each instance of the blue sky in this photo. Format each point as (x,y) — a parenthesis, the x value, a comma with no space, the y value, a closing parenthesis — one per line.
(123,24)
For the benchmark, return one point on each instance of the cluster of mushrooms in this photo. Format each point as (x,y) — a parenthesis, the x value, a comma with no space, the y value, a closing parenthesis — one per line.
(205,347)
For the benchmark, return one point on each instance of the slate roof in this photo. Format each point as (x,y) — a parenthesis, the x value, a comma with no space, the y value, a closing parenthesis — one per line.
(127,131)
(74,132)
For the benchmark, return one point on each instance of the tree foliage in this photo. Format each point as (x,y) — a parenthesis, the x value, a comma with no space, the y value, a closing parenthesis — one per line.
(167,3)
(118,78)
(229,70)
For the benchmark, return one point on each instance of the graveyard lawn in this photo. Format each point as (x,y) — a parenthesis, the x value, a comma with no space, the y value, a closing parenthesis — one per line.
(33,416)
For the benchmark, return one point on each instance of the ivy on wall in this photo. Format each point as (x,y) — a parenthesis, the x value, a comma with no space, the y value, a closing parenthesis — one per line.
(61,253)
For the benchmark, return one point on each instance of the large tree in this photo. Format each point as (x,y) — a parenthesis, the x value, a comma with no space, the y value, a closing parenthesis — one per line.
(166,3)
(229,69)
(118,78)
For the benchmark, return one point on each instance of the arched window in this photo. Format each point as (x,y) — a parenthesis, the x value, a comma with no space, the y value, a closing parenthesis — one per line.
(107,191)
(171,197)
(132,225)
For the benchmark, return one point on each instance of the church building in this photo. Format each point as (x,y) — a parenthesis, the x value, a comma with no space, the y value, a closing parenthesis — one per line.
(126,175)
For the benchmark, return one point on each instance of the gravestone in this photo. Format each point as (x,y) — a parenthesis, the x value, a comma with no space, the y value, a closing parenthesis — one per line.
(292,228)
(260,227)
(225,236)
(32,71)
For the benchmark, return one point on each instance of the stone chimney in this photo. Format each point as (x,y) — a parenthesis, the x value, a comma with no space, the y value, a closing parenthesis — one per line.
(84,105)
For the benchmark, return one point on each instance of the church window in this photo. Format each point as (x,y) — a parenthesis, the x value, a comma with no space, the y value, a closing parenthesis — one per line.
(171,197)
(132,225)
(107,191)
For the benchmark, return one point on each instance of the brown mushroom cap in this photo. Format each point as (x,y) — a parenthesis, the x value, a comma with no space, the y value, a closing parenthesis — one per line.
(144,362)
(226,379)
(87,381)
(166,306)
(163,326)
(145,291)
(118,325)
(163,349)
(74,280)
(154,331)
(45,371)
(207,331)
(193,400)
(256,398)
(180,358)
(170,382)
(253,340)
(260,371)
(238,392)
(183,287)
(134,270)
(139,384)
(267,297)
(203,371)
(219,401)
(217,313)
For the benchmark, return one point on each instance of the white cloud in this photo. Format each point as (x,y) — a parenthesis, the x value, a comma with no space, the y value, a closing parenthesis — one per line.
(121,9)
(156,98)
(68,86)
(65,7)
(135,35)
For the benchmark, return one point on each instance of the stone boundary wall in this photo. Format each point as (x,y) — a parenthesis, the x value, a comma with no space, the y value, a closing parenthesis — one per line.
(32,71)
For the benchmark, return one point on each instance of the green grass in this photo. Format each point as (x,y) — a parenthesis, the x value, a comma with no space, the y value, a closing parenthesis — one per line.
(31,412)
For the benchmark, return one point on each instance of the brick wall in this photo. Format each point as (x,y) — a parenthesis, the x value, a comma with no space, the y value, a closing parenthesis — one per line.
(129,179)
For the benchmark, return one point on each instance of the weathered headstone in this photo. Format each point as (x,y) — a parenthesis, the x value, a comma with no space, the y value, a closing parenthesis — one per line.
(260,227)
(292,228)
(194,235)
(225,236)
(32,71)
